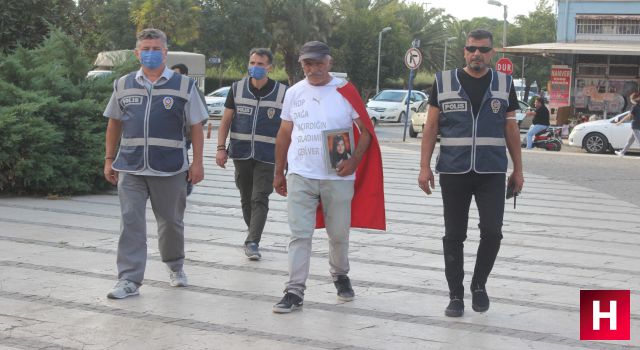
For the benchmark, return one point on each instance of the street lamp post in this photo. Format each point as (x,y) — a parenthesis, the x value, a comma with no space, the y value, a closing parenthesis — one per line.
(504,22)
(384,30)
(444,61)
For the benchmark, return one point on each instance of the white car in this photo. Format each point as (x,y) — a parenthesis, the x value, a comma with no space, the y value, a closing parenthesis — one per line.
(98,73)
(601,136)
(390,105)
(215,101)
(418,119)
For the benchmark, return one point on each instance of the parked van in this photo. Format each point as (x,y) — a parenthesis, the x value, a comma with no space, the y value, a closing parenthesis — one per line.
(195,62)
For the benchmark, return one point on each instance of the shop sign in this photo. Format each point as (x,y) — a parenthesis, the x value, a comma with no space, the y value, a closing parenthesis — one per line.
(560,91)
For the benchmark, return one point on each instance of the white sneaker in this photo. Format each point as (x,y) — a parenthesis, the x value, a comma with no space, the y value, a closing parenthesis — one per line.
(178,278)
(619,154)
(123,289)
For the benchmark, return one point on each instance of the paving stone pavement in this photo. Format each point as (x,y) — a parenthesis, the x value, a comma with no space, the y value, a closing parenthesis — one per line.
(57,262)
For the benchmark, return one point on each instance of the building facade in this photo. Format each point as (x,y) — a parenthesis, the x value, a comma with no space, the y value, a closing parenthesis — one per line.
(600,42)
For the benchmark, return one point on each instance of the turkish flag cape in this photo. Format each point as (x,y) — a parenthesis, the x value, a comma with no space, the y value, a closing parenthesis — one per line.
(367,205)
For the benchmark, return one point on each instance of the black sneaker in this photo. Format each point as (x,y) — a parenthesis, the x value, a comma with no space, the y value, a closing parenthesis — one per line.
(479,298)
(290,302)
(251,251)
(343,285)
(455,308)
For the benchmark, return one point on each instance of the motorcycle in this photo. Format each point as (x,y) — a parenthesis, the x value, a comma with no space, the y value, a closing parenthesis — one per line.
(548,139)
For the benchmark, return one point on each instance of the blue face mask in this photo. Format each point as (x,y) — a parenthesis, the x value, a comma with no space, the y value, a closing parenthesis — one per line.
(151,59)
(257,72)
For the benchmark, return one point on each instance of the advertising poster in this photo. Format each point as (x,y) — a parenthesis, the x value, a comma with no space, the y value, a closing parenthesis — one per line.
(560,92)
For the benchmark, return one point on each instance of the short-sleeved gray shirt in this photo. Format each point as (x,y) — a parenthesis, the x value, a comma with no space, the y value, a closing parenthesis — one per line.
(195,110)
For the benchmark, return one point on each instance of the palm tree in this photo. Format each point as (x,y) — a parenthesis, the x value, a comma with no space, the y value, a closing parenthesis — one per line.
(291,23)
(431,28)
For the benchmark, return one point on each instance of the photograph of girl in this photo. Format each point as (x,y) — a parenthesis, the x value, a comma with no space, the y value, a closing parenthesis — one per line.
(340,149)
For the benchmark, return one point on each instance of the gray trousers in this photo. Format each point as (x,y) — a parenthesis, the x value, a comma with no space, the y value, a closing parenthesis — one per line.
(302,202)
(254,179)
(635,136)
(168,197)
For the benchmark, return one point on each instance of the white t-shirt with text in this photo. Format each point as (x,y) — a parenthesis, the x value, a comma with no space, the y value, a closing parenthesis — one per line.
(313,109)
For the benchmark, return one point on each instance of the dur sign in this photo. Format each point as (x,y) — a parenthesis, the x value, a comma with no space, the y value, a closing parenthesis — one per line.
(504,65)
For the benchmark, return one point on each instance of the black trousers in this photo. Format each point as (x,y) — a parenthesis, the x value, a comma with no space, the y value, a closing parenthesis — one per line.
(254,179)
(457,191)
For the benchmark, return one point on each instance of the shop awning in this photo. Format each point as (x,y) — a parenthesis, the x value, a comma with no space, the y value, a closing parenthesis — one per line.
(584,48)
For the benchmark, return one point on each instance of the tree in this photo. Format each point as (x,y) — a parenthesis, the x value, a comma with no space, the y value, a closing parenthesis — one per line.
(291,23)
(26,23)
(354,41)
(179,19)
(51,129)
(106,25)
(537,27)
(460,30)
(430,27)
(232,28)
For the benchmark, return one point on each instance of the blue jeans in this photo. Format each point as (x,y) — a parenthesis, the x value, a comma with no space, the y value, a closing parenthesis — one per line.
(533,130)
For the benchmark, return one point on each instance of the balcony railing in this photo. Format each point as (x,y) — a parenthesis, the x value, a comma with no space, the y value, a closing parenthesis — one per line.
(608,26)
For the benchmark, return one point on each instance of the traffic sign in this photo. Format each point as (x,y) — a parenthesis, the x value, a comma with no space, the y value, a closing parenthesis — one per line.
(504,65)
(215,60)
(413,58)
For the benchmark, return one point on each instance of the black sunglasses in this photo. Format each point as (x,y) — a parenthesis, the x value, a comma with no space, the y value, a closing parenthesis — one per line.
(483,49)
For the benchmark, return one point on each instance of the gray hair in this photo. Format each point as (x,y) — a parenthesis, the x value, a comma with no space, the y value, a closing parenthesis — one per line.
(151,34)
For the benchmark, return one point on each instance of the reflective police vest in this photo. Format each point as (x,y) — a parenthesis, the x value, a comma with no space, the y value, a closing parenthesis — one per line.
(468,142)
(152,125)
(255,122)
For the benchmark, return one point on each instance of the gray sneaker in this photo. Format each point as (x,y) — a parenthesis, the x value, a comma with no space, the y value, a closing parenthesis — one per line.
(123,289)
(178,278)
(251,251)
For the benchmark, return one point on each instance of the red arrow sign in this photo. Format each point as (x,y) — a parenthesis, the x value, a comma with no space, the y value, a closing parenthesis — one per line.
(504,65)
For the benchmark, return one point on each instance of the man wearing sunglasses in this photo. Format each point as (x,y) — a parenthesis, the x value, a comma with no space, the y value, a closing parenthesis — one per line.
(473,110)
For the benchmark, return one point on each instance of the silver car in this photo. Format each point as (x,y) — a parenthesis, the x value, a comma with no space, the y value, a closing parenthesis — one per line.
(390,105)
(215,101)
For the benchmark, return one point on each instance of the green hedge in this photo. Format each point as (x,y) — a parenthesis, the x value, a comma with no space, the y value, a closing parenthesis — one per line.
(51,124)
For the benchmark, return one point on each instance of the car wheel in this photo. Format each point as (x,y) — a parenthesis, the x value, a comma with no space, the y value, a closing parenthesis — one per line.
(401,117)
(595,143)
(412,133)
(374,121)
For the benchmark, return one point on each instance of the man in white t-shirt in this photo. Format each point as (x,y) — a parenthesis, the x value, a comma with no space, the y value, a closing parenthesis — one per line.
(310,107)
